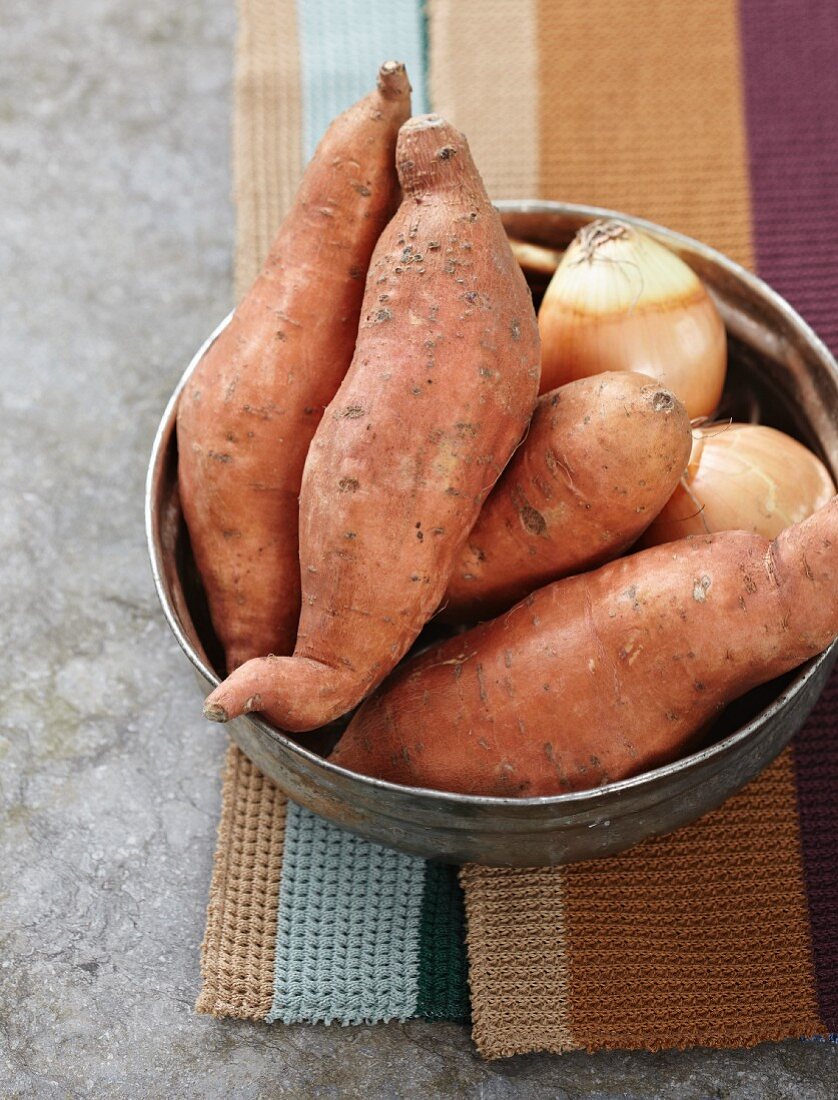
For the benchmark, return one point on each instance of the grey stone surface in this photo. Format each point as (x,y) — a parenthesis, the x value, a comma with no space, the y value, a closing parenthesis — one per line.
(115,242)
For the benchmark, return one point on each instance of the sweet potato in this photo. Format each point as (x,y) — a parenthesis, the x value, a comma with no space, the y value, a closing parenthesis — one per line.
(248,412)
(600,460)
(601,676)
(440,391)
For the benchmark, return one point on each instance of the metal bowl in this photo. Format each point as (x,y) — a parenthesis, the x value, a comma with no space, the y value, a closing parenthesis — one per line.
(781,372)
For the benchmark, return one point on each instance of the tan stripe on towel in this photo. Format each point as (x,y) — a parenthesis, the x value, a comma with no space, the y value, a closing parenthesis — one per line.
(267,128)
(483,73)
(237,955)
(697,938)
(518,972)
(642,110)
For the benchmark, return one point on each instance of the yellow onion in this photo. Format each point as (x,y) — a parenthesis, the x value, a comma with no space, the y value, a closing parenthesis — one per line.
(743,477)
(620,300)
(535,259)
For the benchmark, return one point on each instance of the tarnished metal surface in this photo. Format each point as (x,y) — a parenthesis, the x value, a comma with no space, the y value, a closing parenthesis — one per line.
(778,363)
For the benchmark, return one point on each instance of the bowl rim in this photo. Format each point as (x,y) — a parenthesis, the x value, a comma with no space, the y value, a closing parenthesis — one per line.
(570,799)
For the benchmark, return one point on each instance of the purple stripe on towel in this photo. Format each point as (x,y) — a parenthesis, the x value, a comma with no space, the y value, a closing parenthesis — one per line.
(791,95)
(816,768)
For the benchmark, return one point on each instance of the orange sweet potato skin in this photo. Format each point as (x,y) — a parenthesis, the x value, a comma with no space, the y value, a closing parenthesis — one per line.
(602,676)
(249,410)
(600,460)
(440,391)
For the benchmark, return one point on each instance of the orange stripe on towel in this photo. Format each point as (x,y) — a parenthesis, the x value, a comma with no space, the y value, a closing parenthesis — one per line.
(642,109)
(701,937)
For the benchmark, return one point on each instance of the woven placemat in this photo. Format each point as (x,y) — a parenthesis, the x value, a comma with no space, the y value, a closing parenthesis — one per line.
(725,933)
(309,923)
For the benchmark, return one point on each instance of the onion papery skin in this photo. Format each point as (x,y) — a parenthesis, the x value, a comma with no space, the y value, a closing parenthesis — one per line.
(626,302)
(745,477)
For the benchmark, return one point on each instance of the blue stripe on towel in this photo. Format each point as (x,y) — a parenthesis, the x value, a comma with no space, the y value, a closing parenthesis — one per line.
(343,43)
(348,927)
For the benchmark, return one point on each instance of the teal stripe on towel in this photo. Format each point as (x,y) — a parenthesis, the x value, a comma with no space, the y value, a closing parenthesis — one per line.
(343,43)
(348,927)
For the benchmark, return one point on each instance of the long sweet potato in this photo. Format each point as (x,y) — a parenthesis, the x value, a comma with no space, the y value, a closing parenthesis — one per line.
(600,460)
(247,414)
(440,391)
(601,676)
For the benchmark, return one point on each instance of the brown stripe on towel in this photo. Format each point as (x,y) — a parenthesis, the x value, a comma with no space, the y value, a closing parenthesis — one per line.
(701,937)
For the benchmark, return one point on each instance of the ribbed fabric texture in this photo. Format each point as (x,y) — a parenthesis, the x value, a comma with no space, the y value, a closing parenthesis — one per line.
(791,88)
(698,938)
(816,768)
(443,973)
(642,110)
(342,44)
(726,932)
(486,81)
(267,128)
(356,933)
(518,964)
(347,941)
(238,952)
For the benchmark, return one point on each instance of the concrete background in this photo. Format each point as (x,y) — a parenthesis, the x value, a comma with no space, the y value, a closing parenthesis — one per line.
(115,243)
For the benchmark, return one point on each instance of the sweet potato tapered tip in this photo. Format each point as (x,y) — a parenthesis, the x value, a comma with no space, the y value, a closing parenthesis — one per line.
(288,691)
(392,80)
(428,128)
(432,155)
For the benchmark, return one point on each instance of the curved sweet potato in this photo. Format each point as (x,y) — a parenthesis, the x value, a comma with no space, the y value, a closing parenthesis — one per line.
(600,460)
(248,412)
(602,676)
(440,391)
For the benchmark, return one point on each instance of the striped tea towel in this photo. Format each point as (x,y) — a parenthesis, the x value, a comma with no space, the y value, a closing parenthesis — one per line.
(719,119)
